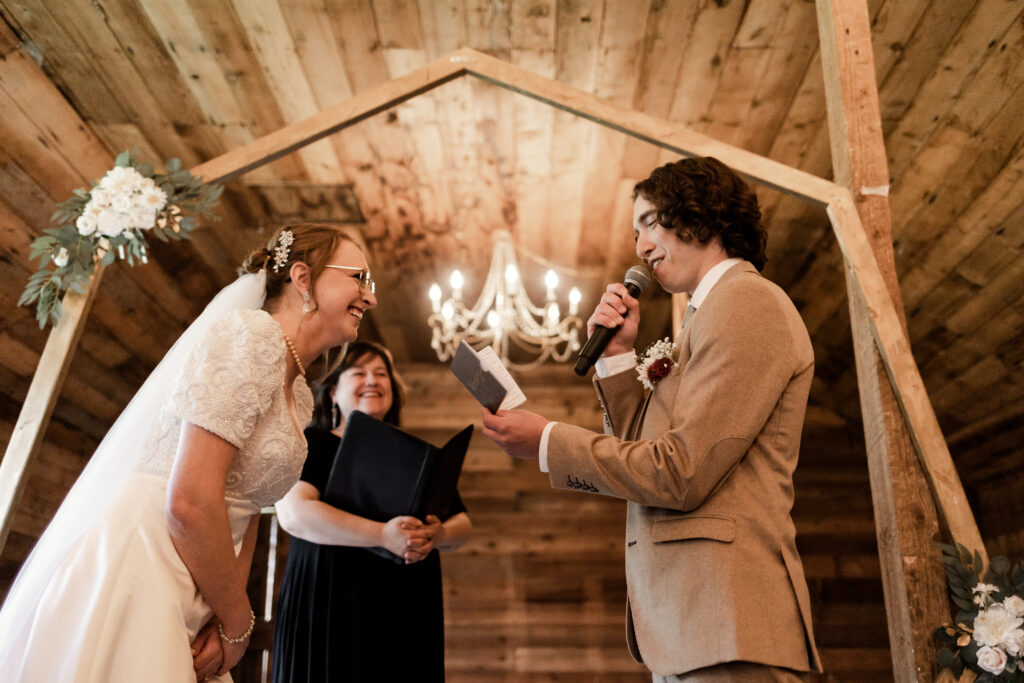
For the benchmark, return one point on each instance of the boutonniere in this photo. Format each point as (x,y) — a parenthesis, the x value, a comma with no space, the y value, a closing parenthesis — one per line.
(656,363)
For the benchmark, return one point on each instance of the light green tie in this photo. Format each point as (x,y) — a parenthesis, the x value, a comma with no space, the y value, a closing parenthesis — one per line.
(690,309)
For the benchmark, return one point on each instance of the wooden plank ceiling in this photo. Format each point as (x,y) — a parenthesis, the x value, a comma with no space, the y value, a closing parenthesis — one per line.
(430,181)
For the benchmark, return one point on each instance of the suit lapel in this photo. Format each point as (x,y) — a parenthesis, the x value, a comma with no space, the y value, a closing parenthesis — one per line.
(656,415)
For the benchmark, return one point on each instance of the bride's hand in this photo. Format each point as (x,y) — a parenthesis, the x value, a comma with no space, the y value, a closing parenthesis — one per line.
(233,651)
(232,655)
(207,655)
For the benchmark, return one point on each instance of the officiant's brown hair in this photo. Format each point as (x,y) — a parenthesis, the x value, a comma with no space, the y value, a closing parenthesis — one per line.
(324,416)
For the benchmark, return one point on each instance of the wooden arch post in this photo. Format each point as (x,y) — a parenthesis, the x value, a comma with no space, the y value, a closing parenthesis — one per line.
(878,314)
(906,522)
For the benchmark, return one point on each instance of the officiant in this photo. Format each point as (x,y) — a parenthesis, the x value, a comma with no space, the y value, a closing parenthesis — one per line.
(344,613)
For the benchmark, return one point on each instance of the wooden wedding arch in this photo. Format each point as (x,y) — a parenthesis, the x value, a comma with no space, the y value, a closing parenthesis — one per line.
(907,454)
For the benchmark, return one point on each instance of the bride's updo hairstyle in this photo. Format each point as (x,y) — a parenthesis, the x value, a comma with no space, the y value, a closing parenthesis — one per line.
(311,243)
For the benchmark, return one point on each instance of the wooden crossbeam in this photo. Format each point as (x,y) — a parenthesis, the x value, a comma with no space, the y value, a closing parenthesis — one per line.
(902,370)
(297,135)
(665,134)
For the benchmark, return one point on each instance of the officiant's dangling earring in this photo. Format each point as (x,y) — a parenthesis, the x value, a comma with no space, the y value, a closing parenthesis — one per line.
(307,304)
(335,416)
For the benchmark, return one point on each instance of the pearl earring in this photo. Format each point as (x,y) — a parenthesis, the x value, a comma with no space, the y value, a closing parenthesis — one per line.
(307,304)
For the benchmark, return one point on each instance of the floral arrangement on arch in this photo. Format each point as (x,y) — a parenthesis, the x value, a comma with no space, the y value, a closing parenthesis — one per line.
(987,637)
(108,222)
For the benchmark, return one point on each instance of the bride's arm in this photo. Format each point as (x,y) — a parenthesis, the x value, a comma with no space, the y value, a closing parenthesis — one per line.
(248,548)
(197,518)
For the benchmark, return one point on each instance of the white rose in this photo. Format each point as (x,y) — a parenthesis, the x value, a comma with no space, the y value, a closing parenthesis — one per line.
(61,259)
(109,223)
(122,202)
(113,179)
(1014,643)
(86,224)
(133,176)
(120,179)
(143,219)
(1014,605)
(992,659)
(99,196)
(994,625)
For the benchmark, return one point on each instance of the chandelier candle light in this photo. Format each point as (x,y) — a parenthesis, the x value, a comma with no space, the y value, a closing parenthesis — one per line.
(504,313)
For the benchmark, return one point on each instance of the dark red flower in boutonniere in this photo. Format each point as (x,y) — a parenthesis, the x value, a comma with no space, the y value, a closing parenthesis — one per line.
(656,363)
(659,369)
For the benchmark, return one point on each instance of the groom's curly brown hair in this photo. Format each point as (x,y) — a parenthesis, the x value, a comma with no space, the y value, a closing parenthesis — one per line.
(701,198)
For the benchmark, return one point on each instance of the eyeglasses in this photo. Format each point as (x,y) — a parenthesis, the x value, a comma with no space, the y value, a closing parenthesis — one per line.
(362,276)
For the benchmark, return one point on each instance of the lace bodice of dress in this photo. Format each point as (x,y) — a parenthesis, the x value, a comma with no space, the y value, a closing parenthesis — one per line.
(233,386)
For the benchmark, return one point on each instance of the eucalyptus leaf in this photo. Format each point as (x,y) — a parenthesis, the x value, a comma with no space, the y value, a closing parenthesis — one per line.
(945,658)
(942,638)
(961,602)
(967,616)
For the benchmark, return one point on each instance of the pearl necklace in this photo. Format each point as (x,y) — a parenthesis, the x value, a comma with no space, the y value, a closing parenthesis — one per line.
(295,355)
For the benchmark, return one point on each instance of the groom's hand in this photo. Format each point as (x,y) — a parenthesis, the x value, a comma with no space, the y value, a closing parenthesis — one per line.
(517,432)
(207,655)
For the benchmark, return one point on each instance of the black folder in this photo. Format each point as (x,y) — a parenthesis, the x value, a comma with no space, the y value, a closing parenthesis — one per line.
(381,472)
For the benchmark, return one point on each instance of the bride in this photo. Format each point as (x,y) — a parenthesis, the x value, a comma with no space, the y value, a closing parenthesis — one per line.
(142,573)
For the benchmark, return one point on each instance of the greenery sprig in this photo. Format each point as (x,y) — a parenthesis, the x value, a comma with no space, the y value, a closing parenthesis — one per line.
(107,222)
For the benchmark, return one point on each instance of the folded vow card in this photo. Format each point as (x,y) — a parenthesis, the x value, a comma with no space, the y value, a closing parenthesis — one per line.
(487,378)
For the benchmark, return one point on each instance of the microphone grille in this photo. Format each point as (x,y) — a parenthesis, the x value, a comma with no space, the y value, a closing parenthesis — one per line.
(640,277)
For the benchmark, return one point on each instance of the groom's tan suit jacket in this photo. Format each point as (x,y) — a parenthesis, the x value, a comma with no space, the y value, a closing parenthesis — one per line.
(706,462)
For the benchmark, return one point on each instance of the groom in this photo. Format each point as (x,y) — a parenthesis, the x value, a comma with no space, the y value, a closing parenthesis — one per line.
(716,590)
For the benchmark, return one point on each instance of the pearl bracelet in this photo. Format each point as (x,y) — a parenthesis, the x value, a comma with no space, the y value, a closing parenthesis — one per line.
(241,638)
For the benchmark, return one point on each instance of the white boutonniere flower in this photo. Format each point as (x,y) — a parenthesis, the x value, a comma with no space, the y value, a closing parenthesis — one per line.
(656,363)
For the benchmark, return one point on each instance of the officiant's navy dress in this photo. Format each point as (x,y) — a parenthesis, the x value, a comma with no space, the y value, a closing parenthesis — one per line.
(346,614)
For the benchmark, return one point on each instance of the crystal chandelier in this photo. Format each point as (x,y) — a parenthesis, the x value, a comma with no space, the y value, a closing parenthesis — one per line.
(504,313)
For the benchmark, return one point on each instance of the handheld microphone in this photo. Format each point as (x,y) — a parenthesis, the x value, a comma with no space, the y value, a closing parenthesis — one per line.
(637,280)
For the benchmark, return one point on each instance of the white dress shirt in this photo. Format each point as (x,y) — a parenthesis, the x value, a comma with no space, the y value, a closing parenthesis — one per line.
(624,361)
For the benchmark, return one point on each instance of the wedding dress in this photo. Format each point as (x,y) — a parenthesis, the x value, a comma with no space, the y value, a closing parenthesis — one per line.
(119,603)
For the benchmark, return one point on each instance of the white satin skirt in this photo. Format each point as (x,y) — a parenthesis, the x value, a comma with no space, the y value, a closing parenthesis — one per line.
(123,606)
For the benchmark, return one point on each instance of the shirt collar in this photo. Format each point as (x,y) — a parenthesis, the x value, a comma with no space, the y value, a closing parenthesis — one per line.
(710,279)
